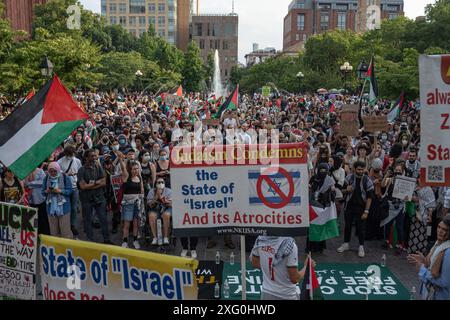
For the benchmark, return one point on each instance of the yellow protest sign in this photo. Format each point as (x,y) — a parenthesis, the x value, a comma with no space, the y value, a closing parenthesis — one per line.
(79,270)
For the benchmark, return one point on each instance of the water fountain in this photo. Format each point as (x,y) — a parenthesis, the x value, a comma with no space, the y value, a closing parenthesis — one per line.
(219,91)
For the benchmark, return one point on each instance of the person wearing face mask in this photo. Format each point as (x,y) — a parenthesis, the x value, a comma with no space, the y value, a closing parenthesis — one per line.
(159,201)
(396,211)
(384,141)
(123,143)
(358,199)
(148,170)
(322,195)
(57,188)
(70,165)
(376,211)
(163,167)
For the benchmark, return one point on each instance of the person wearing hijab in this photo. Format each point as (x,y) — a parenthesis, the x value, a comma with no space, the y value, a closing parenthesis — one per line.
(434,269)
(57,188)
(322,195)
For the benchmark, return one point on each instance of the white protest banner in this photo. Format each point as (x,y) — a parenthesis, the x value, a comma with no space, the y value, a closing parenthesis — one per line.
(238,189)
(18,241)
(435,120)
(403,187)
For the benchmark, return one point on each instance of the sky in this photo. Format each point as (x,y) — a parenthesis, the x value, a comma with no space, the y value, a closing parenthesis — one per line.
(261,21)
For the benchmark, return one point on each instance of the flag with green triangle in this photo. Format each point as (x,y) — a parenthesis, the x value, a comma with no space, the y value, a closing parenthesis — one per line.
(30,134)
(230,104)
(370,76)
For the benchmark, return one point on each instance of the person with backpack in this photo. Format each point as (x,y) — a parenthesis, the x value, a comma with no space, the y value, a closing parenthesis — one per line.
(359,191)
(69,166)
(57,189)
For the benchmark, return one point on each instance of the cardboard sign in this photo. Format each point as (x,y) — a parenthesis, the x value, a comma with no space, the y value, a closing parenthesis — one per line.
(375,124)
(266,91)
(404,187)
(211,122)
(116,183)
(349,120)
(172,100)
(18,246)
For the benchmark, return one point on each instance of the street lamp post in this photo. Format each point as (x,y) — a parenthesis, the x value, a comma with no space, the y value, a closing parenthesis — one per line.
(346,69)
(361,72)
(138,75)
(300,76)
(46,67)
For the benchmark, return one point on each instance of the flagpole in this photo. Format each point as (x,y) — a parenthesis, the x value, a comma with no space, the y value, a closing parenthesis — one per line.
(361,124)
(311,296)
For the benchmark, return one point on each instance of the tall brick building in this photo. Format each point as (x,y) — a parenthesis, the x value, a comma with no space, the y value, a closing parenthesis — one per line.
(309,17)
(170,18)
(217,31)
(20,13)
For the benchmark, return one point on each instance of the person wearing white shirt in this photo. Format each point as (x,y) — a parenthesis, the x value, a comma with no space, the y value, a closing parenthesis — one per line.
(230,120)
(277,257)
(69,166)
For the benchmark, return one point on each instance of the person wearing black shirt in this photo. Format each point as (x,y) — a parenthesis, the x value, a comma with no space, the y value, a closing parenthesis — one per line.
(359,193)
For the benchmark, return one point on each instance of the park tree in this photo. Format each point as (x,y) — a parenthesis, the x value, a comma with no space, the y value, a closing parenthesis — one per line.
(193,73)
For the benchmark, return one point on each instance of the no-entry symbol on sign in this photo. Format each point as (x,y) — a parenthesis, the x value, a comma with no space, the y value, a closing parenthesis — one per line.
(266,177)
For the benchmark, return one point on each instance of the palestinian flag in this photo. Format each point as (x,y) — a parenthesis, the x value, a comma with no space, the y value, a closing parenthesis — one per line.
(370,76)
(310,289)
(323,223)
(396,111)
(212,99)
(230,104)
(30,134)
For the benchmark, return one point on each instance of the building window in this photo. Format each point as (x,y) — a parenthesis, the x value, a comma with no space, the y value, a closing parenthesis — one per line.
(162,33)
(324,6)
(133,32)
(161,7)
(142,21)
(301,22)
(217,44)
(161,22)
(211,44)
(370,3)
(152,7)
(215,30)
(202,44)
(229,30)
(171,22)
(392,16)
(171,8)
(113,20)
(123,21)
(141,32)
(199,27)
(342,7)
(122,7)
(103,7)
(137,6)
(225,45)
(297,37)
(324,21)
(304,37)
(226,59)
(342,21)
(113,8)
(133,21)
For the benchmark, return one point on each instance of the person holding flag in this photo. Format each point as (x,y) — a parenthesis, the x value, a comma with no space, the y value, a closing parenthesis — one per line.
(277,257)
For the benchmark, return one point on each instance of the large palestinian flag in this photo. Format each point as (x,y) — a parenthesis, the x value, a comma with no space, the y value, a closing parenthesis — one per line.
(230,104)
(370,76)
(31,133)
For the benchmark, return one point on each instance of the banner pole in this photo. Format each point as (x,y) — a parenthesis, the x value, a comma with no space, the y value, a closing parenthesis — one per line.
(243,271)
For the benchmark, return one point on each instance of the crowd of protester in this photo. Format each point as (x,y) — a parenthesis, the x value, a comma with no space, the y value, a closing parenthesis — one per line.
(130,135)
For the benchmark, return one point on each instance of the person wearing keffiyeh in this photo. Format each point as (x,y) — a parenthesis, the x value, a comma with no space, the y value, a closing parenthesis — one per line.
(57,188)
